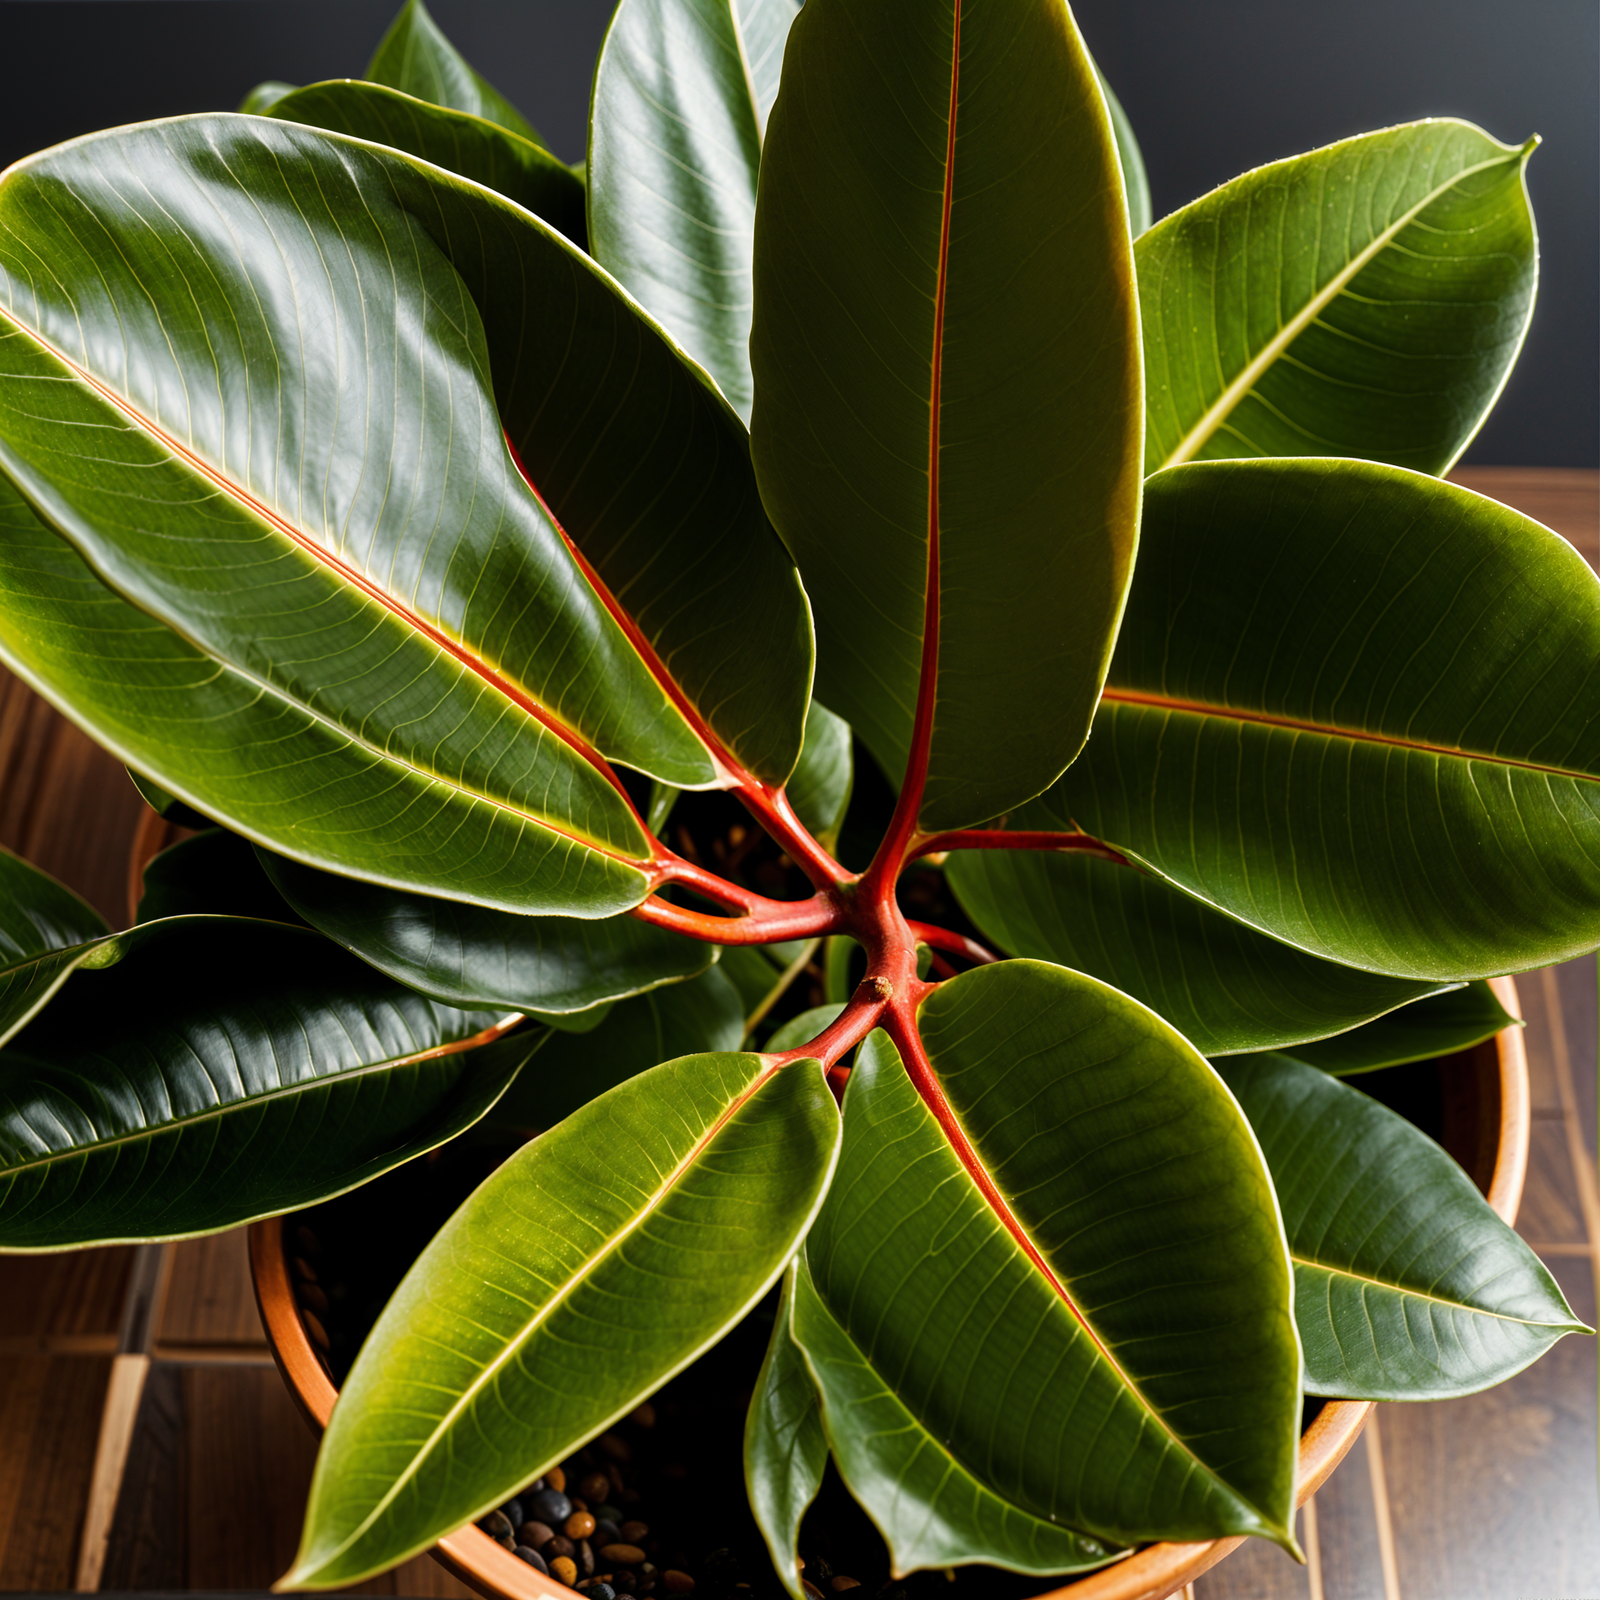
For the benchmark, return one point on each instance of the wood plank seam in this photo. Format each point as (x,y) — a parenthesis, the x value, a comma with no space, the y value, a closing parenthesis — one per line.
(1380,1508)
(1583,1168)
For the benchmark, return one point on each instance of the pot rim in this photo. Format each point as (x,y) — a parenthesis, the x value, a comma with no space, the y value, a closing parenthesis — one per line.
(1152,1573)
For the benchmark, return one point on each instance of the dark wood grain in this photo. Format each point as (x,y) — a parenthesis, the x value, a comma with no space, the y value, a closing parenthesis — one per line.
(65,804)
(1494,1495)
(48,1300)
(210,1303)
(49,1424)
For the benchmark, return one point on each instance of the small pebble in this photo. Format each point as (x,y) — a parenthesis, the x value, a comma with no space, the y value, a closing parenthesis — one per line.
(625,1555)
(558,1546)
(644,1415)
(304,1270)
(514,1513)
(607,1513)
(595,1487)
(616,1447)
(533,1558)
(555,1479)
(578,1526)
(586,1558)
(319,1334)
(564,1570)
(675,1582)
(841,1583)
(311,1295)
(551,1506)
(635,1532)
(606,1532)
(810,1590)
(497,1525)
(600,1591)
(538,1534)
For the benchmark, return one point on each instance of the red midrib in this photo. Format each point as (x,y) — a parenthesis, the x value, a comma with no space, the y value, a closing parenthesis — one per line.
(904,1032)
(916,777)
(236,492)
(1202,708)
(646,651)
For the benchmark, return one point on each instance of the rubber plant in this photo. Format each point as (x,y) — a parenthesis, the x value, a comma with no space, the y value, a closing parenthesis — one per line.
(455,532)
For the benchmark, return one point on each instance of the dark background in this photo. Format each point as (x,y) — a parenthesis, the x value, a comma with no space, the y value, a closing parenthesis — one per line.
(1213,88)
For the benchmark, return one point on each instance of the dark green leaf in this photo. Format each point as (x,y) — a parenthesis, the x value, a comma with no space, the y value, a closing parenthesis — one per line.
(819,789)
(931,1510)
(1222,985)
(1366,299)
(46,932)
(1130,160)
(1438,1026)
(459,141)
(804,1028)
(209,1072)
(674,149)
(214,874)
(474,955)
(437,690)
(167,806)
(752,971)
(1407,781)
(1406,1285)
(599,1260)
(784,1448)
(881,348)
(704,1014)
(416,58)
(1081,1235)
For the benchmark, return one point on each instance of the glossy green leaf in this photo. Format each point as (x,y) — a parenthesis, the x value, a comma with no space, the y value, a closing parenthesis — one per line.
(205,1072)
(46,932)
(1222,985)
(265,96)
(459,141)
(675,127)
(435,692)
(473,955)
(804,1028)
(1407,1285)
(785,1452)
(214,874)
(416,58)
(704,1014)
(599,1260)
(819,788)
(1130,160)
(912,423)
(1083,1234)
(931,1510)
(1438,1026)
(1367,299)
(1407,781)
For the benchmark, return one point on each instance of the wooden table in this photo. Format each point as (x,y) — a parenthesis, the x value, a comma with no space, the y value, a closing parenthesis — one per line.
(1485,1498)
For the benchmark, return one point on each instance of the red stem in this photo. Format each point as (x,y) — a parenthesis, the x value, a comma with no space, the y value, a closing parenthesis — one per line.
(763,922)
(853,1024)
(999,839)
(886,864)
(959,944)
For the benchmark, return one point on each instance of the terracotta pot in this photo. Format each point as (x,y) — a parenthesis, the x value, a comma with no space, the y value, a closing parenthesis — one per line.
(1485,1128)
